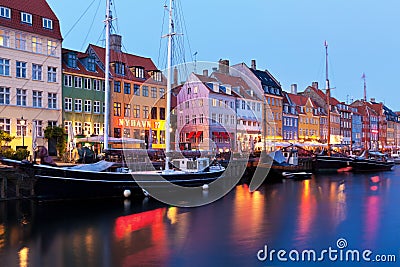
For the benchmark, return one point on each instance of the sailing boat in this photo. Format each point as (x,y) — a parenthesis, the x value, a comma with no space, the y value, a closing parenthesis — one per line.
(104,179)
(330,162)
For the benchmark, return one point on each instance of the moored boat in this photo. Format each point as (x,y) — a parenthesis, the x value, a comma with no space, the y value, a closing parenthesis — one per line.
(372,161)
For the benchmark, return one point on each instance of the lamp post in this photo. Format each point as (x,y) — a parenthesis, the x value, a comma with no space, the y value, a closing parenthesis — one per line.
(23,122)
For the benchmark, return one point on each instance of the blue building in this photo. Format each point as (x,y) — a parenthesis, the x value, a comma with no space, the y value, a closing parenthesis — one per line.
(356,129)
(290,118)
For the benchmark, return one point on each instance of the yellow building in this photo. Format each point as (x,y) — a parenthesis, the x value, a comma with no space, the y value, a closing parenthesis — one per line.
(30,71)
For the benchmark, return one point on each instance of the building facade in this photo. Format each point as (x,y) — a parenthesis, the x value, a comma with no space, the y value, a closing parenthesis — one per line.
(30,71)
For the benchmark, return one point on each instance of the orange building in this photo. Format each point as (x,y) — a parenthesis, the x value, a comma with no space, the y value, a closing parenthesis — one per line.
(138,102)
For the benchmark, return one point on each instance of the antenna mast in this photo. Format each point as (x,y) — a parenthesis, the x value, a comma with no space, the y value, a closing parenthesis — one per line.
(365,87)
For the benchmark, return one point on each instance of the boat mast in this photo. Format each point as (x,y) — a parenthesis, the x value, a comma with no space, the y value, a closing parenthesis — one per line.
(328,98)
(106,78)
(169,65)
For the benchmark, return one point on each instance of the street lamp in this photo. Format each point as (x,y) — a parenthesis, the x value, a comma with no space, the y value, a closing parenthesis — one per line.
(23,122)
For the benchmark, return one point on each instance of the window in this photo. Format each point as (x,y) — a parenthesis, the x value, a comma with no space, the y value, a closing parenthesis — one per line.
(187,119)
(78,105)
(51,74)
(145,112)
(120,68)
(153,92)
(162,113)
(214,102)
(103,108)
(117,109)
(213,118)
(39,128)
(154,113)
(67,104)
(162,93)
(117,132)
(96,128)
(194,119)
(21,97)
(91,64)
(189,90)
(243,104)
(87,128)
(127,110)
(51,48)
(36,45)
(5,12)
(20,69)
(201,119)
(232,120)
(157,76)
(127,132)
(136,89)
(96,85)
(127,88)
(220,118)
(47,23)
(36,72)
(68,81)
(77,82)
(78,127)
(136,111)
(88,106)
(88,83)
(96,107)
(20,41)
(117,87)
(21,127)
(139,72)
(4,96)
(71,61)
(145,91)
(37,99)
(4,67)
(52,100)
(4,38)
(5,125)
(26,17)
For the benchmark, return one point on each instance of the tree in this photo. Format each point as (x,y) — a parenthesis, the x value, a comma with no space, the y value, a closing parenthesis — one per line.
(5,137)
(57,133)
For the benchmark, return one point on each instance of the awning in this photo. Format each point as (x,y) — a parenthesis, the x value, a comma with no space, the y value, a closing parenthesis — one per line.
(224,135)
(191,135)
(216,134)
(198,134)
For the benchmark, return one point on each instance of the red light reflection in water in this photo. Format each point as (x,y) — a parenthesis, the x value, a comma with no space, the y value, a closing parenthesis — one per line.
(130,223)
(307,209)
(372,215)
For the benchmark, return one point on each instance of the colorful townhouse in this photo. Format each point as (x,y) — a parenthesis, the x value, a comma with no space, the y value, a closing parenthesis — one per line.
(138,95)
(370,122)
(206,115)
(82,94)
(30,71)
(249,107)
(290,117)
(271,90)
(356,130)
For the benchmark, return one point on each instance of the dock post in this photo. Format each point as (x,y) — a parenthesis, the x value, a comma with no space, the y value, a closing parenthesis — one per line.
(3,187)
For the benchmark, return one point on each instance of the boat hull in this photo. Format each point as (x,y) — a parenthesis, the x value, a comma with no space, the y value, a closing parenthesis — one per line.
(331,163)
(367,165)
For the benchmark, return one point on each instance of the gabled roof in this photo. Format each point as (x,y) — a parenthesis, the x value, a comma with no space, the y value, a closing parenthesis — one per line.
(333,101)
(128,59)
(267,80)
(81,69)
(39,9)
(298,100)
(235,82)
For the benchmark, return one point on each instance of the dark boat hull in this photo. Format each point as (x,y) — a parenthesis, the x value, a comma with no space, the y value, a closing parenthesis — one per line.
(367,165)
(331,163)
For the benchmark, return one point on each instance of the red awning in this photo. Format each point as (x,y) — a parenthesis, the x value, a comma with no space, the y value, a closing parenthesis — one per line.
(224,135)
(198,134)
(216,134)
(190,135)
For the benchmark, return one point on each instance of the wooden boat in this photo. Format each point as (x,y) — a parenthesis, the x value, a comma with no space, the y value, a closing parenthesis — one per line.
(372,161)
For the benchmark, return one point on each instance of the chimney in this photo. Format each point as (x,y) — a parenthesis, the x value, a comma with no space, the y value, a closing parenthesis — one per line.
(205,73)
(293,89)
(224,66)
(315,85)
(253,64)
(175,76)
(116,42)
(373,99)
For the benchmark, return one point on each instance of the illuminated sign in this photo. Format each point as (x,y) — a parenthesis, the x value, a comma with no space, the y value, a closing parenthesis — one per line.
(141,123)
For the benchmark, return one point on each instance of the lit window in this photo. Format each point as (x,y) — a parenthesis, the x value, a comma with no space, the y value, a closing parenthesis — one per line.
(20,41)
(139,72)
(51,48)
(117,109)
(4,38)
(36,45)
(5,125)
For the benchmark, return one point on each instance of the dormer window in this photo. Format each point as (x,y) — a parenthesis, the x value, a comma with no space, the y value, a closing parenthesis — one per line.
(120,68)
(157,76)
(26,18)
(71,61)
(47,23)
(5,12)
(139,72)
(91,65)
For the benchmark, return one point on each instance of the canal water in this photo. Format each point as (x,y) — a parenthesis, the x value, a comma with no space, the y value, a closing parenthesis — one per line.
(334,216)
